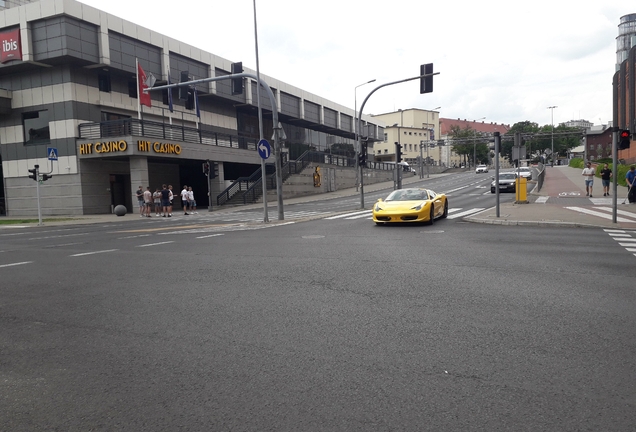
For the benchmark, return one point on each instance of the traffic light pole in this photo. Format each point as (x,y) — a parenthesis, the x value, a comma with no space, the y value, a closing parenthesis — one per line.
(614,171)
(360,122)
(37,186)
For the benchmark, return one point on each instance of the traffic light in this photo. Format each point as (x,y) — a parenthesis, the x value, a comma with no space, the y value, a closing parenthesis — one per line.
(206,167)
(215,169)
(184,90)
(189,103)
(45,177)
(624,137)
(426,83)
(362,159)
(237,83)
(398,152)
(34,173)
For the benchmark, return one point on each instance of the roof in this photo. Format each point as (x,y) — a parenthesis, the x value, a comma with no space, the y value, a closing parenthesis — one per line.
(445,125)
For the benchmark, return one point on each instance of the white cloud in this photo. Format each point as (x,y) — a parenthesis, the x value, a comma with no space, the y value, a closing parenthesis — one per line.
(506,61)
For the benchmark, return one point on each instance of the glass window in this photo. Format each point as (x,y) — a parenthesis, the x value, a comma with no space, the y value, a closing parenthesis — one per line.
(103,79)
(36,127)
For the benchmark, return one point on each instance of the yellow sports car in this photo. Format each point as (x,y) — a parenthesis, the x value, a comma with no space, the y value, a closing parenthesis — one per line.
(410,205)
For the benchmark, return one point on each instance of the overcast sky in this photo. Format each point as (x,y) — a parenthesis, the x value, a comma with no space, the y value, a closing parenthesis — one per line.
(504,60)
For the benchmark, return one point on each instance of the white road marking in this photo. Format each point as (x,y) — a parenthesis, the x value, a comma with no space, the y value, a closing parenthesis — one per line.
(347,214)
(212,235)
(464,213)
(16,264)
(542,199)
(618,212)
(366,214)
(155,244)
(599,214)
(93,253)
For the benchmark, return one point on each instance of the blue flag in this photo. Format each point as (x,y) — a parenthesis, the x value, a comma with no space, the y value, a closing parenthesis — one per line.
(169,94)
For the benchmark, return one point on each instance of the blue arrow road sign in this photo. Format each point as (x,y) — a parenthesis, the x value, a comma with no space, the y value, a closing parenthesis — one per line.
(52,152)
(264,150)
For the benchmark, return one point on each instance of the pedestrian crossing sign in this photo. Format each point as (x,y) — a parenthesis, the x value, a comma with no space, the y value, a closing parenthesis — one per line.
(52,152)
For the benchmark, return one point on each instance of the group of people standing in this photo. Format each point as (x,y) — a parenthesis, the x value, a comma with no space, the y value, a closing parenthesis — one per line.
(606,176)
(161,201)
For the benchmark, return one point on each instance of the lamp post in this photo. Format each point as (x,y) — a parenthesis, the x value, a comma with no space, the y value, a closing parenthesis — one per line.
(475,143)
(428,138)
(355,110)
(551,108)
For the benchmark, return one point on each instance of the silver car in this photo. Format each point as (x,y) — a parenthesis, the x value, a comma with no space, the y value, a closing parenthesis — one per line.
(507,182)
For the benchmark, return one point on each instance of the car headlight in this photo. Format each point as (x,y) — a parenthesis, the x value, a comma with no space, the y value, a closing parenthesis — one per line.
(377,207)
(418,207)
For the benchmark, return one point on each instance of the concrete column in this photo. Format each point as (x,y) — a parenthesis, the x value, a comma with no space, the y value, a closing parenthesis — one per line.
(138,176)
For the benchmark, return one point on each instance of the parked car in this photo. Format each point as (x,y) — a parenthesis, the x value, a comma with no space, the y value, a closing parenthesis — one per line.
(507,182)
(481,169)
(525,173)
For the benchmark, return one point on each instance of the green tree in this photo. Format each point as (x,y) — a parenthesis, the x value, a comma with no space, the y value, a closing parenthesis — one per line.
(469,143)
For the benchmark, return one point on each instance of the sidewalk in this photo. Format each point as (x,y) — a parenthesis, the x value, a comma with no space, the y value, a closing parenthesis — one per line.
(562,202)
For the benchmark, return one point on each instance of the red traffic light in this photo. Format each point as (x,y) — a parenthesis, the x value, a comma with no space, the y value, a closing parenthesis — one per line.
(624,134)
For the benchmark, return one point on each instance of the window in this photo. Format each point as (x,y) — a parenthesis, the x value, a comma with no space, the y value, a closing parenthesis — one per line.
(386,137)
(36,127)
(103,80)
(132,88)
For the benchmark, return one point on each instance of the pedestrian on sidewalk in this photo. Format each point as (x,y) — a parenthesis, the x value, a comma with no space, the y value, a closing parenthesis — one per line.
(140,201)
(156,196)
(191,200)
(184,200)
(630,178)
(165,201)
(588,173)
(606,175)
(147,201)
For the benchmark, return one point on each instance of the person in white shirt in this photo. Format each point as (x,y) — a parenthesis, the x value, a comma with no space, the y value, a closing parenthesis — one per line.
(588,173)
(191,201)
(184,200)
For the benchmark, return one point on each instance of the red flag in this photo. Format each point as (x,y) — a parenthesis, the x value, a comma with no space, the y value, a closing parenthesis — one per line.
(144,98)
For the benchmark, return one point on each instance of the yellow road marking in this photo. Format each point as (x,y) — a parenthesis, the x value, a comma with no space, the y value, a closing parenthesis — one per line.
(175,228)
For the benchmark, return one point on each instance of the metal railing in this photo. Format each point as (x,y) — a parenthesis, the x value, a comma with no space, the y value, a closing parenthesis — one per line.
(540,176)
(159,130)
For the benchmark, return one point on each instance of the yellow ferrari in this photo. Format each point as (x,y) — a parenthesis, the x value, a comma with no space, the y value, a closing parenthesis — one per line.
(410,205)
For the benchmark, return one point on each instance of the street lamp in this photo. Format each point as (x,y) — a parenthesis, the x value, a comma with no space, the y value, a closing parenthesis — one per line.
(355,110)
(475,142)
(551,108)
(428,141)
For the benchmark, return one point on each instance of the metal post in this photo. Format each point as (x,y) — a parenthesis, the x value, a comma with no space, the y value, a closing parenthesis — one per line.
(421,159)
(260,119)
(37,186)
(209,185)
(355,127)
(497,144)
(614,170)
(428,144)
(551,108)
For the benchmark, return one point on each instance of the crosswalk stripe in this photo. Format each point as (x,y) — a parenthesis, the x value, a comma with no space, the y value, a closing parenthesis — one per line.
(464,213)
(618,211)
(597,213)
(366,214)
(346,214)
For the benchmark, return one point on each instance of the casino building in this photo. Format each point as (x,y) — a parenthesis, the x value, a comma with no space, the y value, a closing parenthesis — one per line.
(69,103)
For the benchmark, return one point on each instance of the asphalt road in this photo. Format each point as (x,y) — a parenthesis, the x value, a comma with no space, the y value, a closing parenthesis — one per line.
(323,324)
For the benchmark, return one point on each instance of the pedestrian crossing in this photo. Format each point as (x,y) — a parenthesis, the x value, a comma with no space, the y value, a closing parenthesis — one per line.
(604,212)
(453,213)
(624,238)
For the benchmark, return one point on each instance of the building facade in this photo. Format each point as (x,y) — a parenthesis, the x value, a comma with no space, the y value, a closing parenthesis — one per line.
(415,130)
(68,83)
(480,128)
(598,143)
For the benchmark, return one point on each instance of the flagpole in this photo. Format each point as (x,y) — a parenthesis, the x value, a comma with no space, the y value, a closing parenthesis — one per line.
(138,87)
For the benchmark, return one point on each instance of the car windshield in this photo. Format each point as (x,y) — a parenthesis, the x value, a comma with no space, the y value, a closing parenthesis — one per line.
(407,195)
(507,176)
(524,169)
